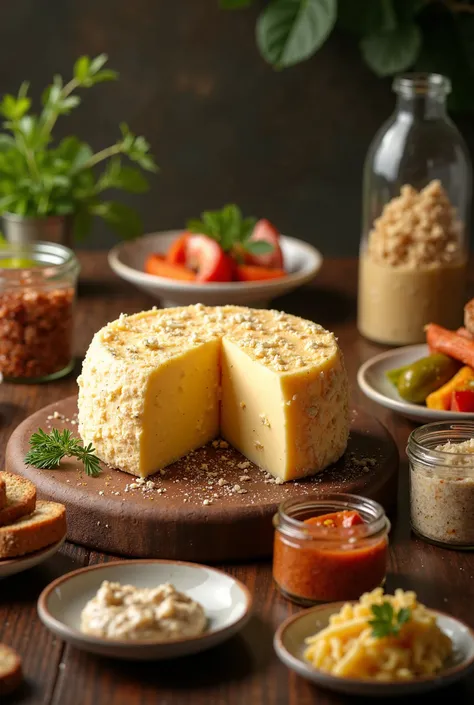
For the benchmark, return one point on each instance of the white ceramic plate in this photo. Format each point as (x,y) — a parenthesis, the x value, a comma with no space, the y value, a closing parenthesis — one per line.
(18,565)
(373,382)
(226,601)
(127,260)
(289,644)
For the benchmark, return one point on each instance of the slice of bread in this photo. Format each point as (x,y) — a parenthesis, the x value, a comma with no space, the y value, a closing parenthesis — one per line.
(3,493)
(47,525)
(21,498)
(10,670)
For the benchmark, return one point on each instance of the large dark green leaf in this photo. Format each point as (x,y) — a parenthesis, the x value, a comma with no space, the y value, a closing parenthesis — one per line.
(290,31)
(388,53)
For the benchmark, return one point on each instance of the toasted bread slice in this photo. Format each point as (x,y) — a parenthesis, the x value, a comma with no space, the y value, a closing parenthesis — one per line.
(469,316)
(3,493)
(47,525)
(21,498)
(10,670)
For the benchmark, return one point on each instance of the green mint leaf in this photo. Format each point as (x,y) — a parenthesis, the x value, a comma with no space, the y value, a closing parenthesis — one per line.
(194,225)
(394,51)
(107,75)
(82,68)
(97,63)
(258,247)
(14,108)
(125,177)
(290,31)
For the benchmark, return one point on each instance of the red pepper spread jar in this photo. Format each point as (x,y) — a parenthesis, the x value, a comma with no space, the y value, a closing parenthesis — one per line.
(329,549)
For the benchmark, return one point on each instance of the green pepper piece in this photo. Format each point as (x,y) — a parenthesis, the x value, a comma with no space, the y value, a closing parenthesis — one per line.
(394,375)
(426,376)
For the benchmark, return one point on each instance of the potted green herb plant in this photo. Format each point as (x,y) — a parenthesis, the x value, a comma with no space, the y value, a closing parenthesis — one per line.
(52,191)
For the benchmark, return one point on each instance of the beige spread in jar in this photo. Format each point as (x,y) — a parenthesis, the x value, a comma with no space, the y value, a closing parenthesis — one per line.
(442,497)
(413,269)
(127,613)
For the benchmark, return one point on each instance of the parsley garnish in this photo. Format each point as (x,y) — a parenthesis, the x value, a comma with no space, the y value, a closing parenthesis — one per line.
(229,229)
(386,622)
(47,451)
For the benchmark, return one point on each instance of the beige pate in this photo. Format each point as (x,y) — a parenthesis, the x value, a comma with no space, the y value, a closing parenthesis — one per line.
(127,613)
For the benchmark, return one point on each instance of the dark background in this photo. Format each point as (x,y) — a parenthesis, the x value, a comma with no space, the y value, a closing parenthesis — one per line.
(223,125)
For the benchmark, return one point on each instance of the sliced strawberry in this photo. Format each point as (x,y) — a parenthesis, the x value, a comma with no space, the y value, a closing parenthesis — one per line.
(176,253)
(158,265)
(207,258)
(252,273)
(264,231)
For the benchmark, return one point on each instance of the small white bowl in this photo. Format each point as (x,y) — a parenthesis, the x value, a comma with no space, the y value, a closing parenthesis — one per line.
(373,381)
(11,566)
(289,643)
(226,601)
(127,259)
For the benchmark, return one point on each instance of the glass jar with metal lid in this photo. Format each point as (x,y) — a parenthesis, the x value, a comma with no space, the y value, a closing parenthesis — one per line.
(37,292)
(329,548)
(441,459)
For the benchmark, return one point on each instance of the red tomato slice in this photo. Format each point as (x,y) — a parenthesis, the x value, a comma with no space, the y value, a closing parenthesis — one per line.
(176,253)
(208,259)
(344,519)
(264,231)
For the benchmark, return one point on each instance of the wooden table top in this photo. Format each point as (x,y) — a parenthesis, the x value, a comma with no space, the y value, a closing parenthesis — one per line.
(244,670)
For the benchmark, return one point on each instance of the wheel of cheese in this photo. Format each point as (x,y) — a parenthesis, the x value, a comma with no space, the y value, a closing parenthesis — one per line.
(158,384)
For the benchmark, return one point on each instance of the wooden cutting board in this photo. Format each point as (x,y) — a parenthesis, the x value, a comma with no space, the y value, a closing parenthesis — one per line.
(213,505)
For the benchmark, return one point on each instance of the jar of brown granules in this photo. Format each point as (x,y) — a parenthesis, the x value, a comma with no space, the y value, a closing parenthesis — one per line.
(37,292)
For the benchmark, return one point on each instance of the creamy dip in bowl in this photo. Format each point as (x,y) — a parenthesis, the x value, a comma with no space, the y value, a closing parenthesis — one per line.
(125,612)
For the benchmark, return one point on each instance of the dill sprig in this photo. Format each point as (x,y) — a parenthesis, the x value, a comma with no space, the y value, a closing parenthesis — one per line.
(47,451)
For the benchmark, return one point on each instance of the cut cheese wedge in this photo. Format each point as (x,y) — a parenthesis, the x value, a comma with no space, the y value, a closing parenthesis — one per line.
(158,384)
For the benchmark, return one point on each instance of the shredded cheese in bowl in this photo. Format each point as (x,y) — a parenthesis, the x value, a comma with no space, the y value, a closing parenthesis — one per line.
(382,638)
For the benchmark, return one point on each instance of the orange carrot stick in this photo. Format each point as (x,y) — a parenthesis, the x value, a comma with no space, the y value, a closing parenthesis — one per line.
(157,264)
(450,343)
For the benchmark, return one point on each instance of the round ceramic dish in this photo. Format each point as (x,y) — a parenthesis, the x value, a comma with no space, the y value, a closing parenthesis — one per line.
(373,381)
(127,260)
(226,601)
(289,643)
(12,566)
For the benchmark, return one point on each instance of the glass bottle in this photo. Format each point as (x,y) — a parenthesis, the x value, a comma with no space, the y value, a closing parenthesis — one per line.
(416,203)
(37,293)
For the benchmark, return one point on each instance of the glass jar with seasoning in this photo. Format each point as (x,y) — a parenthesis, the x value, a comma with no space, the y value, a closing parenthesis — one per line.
(441,459)
(37,291)
(416,211)
(329,548)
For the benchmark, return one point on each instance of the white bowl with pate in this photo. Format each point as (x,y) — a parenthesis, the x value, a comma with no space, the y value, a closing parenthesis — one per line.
(103,609)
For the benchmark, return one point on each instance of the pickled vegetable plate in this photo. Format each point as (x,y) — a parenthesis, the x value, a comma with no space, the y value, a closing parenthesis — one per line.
(374,383)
